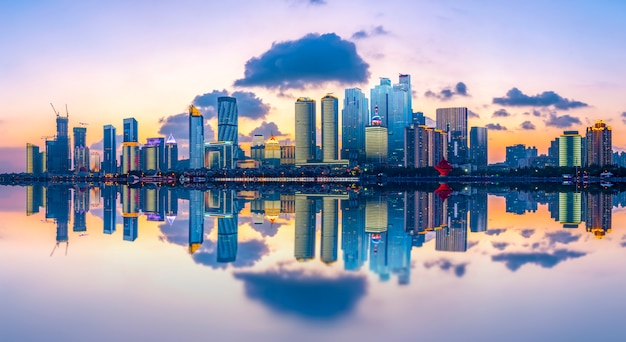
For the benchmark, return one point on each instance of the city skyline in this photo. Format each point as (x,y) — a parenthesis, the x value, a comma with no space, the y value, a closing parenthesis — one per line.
(532,87)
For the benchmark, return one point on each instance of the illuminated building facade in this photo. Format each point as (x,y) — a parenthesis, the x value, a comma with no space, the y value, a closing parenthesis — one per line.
(196,138)
(227,120)
(570,149)
(478,148)
(109,162)
(451,120)
(354,118)
(330,128)
(306,139)
(81,150)
(599,149)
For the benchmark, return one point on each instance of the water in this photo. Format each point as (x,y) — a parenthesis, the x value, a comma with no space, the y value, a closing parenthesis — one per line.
(451,263)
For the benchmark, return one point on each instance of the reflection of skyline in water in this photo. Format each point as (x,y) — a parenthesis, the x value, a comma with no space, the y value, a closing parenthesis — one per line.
(379,229)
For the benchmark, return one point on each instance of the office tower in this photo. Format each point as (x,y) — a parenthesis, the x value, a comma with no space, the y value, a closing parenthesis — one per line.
(109,164)
(306,139)
(478,147)
(170,161)
(94,162)
(354,118)
(354,241)
(109,217)
(219,155)
(376,141)
(330,223)
(478,211)
(227,120)
(152,153)
(196,220)
(130,130)
(287,155)
(418,118)
(380,97)
(451,120)
(570,144)
(304,242)
(570,207)
(272,155)
(257,147)
(196,138)
(399,116)
(58,158)
(81,151)
(410,145)
(34,163)
(599,208)
(516,156)
(330,128)
(599,149)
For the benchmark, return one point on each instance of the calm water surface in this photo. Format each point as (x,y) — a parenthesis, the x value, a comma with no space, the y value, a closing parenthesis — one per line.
(456,264)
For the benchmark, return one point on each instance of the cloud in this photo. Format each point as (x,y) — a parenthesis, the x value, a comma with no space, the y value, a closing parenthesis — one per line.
(514,261)
(306,296)
(564,237)
(527,125)
(495,127)
(312,59)
(499,245)
(501,113)
(623,115)
(266,129)
(247,254)
(495,231)
(317,2)
(248,104)
(178,126)
(376,31)
(99,145)
(445,265)
(515,97)
(471,114)
(527,233)
(447,93)
(562,121)
(536,112)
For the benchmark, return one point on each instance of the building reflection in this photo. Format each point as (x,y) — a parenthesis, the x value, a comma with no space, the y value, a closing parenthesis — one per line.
(81,207)
(599,208)
(130,212)
(109,197)
(58,211)
(196,220)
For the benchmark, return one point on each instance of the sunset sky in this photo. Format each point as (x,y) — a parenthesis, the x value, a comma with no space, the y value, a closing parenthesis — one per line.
(530,69)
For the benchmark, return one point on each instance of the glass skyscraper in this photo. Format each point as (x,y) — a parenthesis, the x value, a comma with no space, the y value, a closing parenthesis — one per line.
(570,153)
(130,146)
(330,128)
(130,130)
(599,149)
(354,118)
(196,138)
(227,119)
(478,147)
(109,164)
(306,139)
(81,151)
(454,122)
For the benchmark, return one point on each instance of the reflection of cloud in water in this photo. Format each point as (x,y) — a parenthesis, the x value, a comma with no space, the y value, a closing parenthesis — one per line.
(495,231)
(248,253)
(561,236)
(499,245)
(177,233)
(266,229)
(514,261)
(307,296)
(527,233)
(471,244)
(445,265)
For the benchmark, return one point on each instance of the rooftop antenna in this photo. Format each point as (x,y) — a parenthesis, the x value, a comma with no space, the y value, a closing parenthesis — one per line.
(67,114)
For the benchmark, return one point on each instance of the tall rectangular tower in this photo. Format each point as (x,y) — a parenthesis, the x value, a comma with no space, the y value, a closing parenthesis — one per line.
(330,128)
(305,130)
(478,147)
(570,149)
(81,151)
(454,122)
(354,117)
(599,149)
(109,164)
(227,119)
(196,138)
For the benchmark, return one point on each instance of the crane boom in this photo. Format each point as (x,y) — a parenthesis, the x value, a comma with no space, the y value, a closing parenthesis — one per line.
(54,109)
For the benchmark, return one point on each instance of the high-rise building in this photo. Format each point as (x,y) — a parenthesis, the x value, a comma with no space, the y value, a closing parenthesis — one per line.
(354,118)
(380,97)
(257,147)
(81,151)
(152,153)
(170,160)
(109,164)
(451,120)
(306,139)
(130,130)
(271,156)
(196,138)
(599,149)
(400,115)
(33,159)
(520,156)
(330,128)
(227,120)
(478,147)
(219,155)
(376,142)
(58,158)
(570,149)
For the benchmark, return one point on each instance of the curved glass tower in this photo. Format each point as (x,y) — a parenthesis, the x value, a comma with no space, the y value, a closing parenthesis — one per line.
(196,138)
(330,128)
(227,119)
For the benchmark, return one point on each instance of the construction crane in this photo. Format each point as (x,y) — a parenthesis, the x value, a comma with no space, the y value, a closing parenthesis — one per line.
(46,137)
(67,114)
(55,111)
(83,123)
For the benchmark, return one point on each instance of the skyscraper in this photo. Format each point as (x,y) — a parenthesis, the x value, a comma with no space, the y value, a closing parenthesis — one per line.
(130,130)
(354,117)
(170,160)
(227,119)
(58,150)
(196,138)
(81,151)
(599,149)
(33,159)
(570,143)
(376,141)
(380,96)
(330,128)
(305,130)
(399,116)
(109,164)
(478,147)
(130,146)
(453,120)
